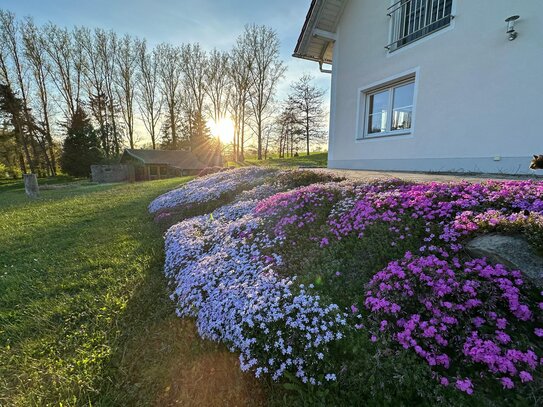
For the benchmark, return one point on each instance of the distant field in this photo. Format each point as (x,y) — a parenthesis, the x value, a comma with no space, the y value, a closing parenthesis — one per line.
(313,160)
(85,317)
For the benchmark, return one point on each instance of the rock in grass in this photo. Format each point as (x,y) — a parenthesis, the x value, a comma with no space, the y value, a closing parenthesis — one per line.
(512,251)
(31,185)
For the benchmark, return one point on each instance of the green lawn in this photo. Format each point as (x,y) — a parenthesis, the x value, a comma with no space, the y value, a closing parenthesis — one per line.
(312,160)
(85,317)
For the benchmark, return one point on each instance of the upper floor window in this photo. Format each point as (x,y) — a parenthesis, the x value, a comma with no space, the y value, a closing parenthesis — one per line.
(414,19)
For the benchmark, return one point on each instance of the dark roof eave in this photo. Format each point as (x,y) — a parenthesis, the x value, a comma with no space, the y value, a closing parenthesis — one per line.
(127,151)
(304,29)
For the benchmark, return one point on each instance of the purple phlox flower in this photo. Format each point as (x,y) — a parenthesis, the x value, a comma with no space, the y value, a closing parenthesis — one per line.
(324,242)
(507,383)
(525,377)
(464,385)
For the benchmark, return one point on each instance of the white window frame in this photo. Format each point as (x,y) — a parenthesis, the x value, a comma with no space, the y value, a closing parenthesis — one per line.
(364,93)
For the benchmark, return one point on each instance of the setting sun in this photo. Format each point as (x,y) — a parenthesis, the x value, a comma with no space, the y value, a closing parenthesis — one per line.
(223,130)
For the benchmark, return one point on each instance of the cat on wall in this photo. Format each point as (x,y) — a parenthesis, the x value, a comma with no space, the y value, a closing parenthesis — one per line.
(537,162)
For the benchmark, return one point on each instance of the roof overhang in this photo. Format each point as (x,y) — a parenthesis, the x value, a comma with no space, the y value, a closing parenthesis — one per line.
(316,41)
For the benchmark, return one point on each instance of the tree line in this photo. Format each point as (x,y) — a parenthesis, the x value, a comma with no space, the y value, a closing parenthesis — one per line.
(52,77)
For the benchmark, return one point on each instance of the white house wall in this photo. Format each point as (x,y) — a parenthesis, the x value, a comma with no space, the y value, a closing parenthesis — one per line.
(479,98)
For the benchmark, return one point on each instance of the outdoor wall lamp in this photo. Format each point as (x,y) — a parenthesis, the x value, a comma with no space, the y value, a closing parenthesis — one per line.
(511,27)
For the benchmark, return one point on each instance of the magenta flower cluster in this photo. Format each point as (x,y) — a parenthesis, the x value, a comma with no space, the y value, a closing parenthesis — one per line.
(459,317)
(297,208)
(436,204)
(453,303)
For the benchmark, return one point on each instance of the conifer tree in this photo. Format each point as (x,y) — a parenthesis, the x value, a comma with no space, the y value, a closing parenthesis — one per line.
(81,146)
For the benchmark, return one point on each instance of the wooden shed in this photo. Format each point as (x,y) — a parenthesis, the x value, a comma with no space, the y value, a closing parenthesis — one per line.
(159,164)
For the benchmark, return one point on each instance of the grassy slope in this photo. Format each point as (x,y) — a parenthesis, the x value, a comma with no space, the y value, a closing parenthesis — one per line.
(84,313)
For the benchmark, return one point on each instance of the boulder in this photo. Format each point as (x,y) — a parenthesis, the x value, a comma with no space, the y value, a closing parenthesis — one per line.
(512,251)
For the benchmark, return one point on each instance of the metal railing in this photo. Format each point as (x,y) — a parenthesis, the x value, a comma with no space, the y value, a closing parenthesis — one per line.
(414,19)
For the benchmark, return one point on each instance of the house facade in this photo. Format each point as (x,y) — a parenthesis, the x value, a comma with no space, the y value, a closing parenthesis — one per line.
(430,85)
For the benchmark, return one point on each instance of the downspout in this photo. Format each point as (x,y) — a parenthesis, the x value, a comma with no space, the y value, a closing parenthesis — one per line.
(322,69)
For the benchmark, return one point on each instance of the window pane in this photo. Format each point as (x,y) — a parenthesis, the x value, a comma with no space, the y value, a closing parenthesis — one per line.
(378,112)
(402,110)
(379,102)
(403,96)
(377,122)
(401,119)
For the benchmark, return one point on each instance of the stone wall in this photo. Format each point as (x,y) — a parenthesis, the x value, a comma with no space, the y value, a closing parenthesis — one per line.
(113,173)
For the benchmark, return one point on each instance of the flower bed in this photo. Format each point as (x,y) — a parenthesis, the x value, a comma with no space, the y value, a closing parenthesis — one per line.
(279,278)
(230,286)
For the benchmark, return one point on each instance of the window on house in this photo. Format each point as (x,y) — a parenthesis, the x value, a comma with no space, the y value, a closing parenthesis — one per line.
(414,19)
(163,170)
(389,109)
(153,171)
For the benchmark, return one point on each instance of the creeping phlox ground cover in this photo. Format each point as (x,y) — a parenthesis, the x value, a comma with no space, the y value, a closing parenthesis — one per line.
(264,275)
(210,188)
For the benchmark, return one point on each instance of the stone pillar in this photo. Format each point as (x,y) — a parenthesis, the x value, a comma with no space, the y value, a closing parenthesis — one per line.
(31,185)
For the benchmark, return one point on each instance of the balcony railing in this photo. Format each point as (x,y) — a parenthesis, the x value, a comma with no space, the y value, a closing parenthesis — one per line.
(414,19)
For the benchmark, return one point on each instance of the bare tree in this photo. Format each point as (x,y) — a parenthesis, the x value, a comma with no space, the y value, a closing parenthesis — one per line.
(266,70)
(149,99)
(194,82)
(4,74)
(107,44)
(239,72)
(218,83)
(308,102)
(94,84)
(194,74)
(186,115)
(65,66)
(269,129)
(10,36)
(21,144)
(36,56)
(290,130)
(125,81)
(170,75)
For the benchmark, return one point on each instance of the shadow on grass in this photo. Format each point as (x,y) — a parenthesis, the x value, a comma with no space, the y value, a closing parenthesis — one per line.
(159,358)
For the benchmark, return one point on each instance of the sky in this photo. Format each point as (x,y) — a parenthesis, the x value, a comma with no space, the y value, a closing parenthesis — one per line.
(212,23)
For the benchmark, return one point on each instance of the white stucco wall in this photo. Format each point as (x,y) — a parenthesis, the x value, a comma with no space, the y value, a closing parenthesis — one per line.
(479,96)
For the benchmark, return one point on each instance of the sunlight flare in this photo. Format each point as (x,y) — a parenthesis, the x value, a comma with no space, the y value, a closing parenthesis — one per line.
(223,129)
